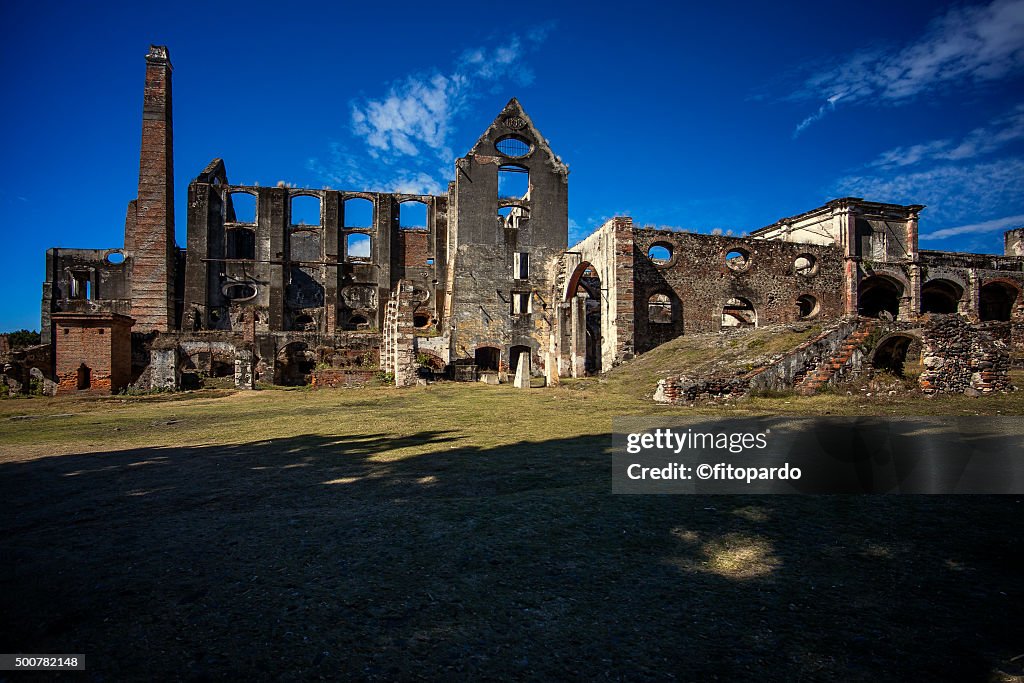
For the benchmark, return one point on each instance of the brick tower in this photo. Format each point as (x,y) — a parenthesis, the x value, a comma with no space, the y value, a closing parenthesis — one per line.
(149,225)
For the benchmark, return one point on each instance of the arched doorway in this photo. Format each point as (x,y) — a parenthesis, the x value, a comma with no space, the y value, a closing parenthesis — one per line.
(996,299)
(738,312)
(940,296)
(84,377)
(899,355)
(585,280)
(879,297)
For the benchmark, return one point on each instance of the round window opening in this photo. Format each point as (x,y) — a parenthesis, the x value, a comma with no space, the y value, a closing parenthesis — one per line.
(513,146)
(805,265)
(738,259)
(807,306)
(239,292)
(660,254)
(115,258)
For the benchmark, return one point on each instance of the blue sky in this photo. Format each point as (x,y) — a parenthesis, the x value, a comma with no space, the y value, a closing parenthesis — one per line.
(723,117)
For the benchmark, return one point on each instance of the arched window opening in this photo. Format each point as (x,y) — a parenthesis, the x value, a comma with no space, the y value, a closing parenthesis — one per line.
(940,296)
(357,322)
(305,210)
(513,146)
(513,182)
(239,291)
(304,323)
(996,301)
(738,312)
(412,215)
(240,208)
(357,247)
(879,298)
(358,213)
(805,265)
(659,309)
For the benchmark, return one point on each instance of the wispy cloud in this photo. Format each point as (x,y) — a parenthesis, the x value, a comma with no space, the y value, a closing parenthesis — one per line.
(982,140)
(830,105)
(402,139)
(953,192)
(997,225)
(972,44)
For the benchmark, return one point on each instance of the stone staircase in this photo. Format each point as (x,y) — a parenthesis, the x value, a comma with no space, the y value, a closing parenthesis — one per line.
(830,366)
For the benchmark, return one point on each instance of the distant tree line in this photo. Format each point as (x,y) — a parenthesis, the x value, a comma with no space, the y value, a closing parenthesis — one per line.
(22,338)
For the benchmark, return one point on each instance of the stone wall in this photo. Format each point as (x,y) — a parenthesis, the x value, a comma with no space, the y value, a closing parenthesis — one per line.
(766,278)
(964,358)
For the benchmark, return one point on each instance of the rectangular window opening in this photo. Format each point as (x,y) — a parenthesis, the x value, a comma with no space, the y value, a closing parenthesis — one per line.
(521,303)
(521,265)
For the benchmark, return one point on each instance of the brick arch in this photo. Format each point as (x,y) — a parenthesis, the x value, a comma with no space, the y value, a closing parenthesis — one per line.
(574,279)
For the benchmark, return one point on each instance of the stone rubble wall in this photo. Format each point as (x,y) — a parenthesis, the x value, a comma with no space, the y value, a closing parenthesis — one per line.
(964,358)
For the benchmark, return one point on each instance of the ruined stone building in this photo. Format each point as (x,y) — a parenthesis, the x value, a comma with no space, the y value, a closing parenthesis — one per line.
(285,285)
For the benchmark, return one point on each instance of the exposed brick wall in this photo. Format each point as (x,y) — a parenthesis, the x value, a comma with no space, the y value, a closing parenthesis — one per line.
(343,378)
(101,343)
(149,239)
(413,248)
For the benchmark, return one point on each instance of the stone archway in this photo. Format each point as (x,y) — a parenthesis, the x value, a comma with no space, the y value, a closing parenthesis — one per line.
(996,300)
(898,354)
(879,296)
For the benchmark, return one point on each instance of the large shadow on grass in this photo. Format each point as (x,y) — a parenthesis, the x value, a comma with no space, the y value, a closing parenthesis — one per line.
(318,556)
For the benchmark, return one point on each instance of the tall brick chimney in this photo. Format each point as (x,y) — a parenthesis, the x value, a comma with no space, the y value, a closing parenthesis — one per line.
(149,226)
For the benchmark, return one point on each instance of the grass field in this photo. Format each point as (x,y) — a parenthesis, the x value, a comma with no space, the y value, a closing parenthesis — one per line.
(467,532)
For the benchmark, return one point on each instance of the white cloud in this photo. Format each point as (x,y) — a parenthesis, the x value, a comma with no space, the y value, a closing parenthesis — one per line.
(953,192)
(997,225)
(402,139)
(976,43)
(982,140)
(418,112)
(830,105)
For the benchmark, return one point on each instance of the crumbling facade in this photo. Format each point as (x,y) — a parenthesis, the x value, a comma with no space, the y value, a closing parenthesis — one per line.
(277,284)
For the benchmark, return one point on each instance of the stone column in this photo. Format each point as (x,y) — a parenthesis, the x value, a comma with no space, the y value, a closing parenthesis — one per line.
(522,380)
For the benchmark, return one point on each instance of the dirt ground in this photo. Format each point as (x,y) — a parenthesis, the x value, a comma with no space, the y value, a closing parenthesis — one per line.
(466,533)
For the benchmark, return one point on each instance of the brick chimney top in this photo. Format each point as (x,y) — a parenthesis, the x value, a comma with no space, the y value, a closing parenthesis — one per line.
(158,53)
